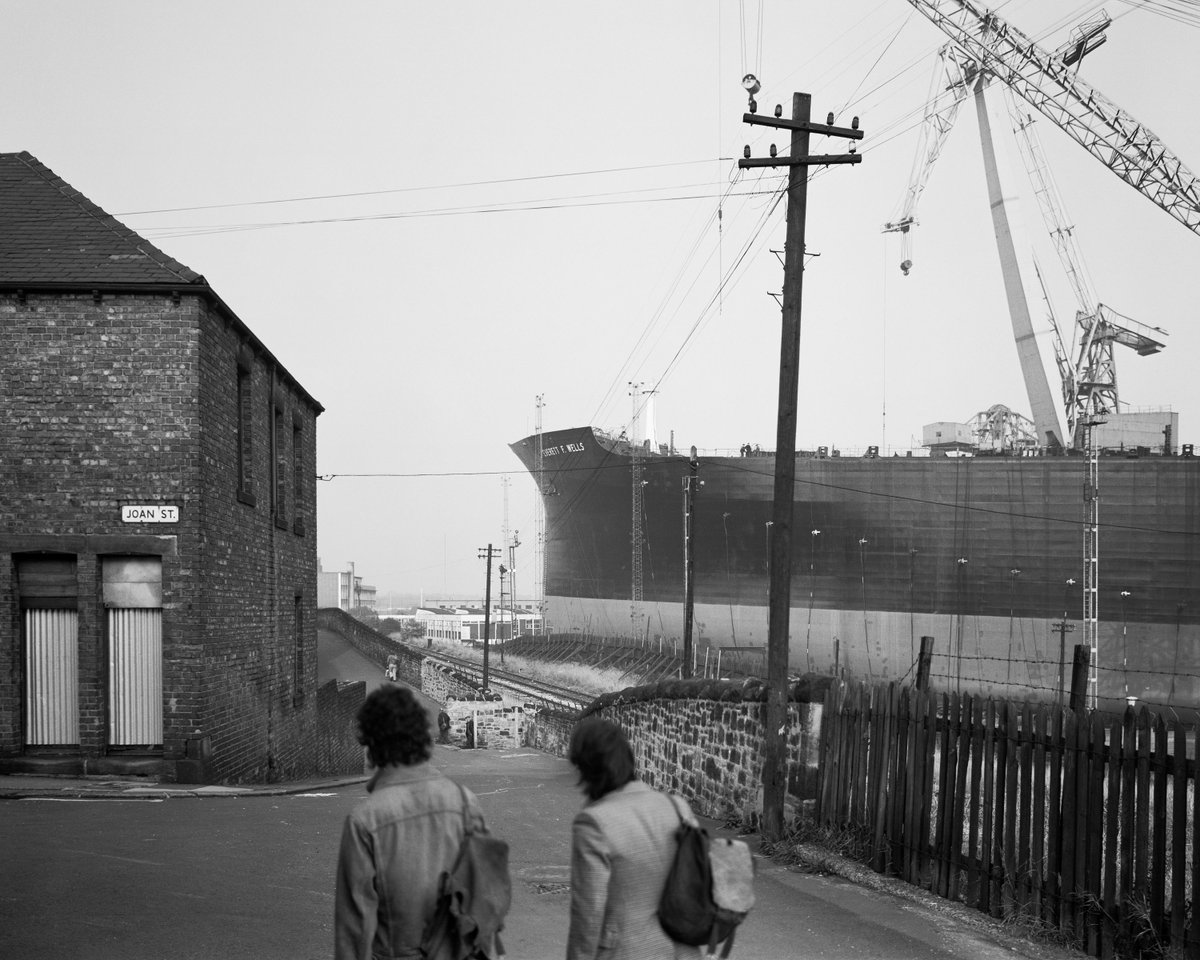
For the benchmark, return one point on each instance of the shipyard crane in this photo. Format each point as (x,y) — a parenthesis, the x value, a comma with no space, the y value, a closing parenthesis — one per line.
(1050,84)
(1087,368)
(957,73)
(950,79)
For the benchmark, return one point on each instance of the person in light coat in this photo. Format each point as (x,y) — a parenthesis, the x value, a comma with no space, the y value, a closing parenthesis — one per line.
(622,846)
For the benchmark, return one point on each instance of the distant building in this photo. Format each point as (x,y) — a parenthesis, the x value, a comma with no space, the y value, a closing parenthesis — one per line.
(157,510)
(466,624)
(334,589)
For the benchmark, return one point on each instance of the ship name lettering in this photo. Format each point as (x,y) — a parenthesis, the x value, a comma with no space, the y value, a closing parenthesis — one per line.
(563,448)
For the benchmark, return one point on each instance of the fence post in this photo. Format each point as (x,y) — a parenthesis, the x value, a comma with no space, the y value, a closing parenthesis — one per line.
(1079,677)
(924,662)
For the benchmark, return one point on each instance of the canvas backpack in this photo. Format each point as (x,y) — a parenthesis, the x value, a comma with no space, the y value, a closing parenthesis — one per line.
(709,890)
(473,898)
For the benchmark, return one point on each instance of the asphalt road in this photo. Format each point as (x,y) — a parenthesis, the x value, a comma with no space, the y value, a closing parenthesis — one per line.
(251,876)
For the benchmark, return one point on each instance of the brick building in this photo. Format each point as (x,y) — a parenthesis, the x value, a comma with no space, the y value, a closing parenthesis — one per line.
(157,510)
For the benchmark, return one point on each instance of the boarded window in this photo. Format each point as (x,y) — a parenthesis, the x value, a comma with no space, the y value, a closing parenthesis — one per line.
(298,676)
(48,591)
(297,474)
(132,590)
(245,428)
(279,468)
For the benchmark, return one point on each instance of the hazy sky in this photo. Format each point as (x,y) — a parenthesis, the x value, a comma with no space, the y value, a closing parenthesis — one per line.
(434,212)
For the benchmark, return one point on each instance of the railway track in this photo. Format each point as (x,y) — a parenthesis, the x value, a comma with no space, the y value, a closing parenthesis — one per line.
(562,698)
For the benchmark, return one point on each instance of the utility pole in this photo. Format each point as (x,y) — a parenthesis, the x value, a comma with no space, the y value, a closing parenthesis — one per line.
(1063,628)
(689,562)
(774,774)
(487,554)
(1091,558)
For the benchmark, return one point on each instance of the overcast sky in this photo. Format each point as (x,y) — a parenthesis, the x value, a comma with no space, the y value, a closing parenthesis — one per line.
(434,212)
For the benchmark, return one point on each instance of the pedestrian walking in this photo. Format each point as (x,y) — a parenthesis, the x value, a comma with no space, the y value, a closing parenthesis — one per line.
(397,842)
(622,846)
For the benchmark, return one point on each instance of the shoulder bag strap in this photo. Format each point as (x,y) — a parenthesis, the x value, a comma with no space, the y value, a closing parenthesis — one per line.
(468,830)
(678,810)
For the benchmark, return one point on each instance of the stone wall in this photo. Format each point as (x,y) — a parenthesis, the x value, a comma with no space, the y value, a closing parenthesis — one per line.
(549,731)
(486,724)
(703,740)
(443,683)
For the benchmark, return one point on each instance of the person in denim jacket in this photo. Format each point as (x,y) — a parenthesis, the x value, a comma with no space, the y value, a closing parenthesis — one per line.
(398,841)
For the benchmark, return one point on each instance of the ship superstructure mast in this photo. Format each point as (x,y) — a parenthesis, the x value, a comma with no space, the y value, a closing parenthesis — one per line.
(539,514)
(636,507)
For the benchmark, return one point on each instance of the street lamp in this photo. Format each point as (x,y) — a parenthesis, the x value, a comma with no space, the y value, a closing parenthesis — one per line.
(1125,595)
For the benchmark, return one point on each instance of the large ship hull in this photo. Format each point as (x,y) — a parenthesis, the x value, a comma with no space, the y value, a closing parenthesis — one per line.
(984,554)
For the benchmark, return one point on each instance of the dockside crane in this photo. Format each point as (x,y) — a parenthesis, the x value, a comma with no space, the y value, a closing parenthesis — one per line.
(983,47)
(1049,82)
(1087,367)
(957,74)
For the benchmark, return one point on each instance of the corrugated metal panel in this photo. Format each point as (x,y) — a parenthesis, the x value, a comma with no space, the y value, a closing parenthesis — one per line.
(135,677)
(52,677)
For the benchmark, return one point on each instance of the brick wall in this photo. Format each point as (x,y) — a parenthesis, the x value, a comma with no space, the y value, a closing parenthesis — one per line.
(132,399)
(338,749)
(101,406)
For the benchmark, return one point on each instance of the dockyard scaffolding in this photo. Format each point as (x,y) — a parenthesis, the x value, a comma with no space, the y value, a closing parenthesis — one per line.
(1076,821)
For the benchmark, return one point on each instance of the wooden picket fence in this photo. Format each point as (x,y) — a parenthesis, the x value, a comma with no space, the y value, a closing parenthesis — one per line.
(1085,823)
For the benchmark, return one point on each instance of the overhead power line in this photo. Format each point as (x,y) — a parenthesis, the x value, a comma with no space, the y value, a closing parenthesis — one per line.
(441,186)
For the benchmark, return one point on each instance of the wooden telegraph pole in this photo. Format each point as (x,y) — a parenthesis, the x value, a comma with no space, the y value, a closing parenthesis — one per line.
(689,562)
(487,607)
(774,774)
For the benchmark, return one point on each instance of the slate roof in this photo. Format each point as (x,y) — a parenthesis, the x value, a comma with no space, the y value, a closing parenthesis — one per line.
(53,237)
(52,233)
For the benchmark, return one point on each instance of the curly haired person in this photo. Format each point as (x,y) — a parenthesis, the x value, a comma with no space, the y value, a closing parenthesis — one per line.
(396,843)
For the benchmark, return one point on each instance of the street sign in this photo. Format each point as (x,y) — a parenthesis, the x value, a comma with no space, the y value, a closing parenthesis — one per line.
(149,513)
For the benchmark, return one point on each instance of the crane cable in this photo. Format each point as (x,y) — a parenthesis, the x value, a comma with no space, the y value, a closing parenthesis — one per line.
(757,66)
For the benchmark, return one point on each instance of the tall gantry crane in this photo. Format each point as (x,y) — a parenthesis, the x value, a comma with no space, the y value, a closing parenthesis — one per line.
(1051,85)
(1087,367)
(985,46)
(957,74)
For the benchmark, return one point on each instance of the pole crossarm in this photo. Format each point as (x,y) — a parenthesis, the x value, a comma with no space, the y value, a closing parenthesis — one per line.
(786,123)
(814,161)
(1118,140)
